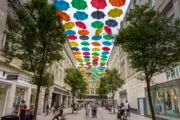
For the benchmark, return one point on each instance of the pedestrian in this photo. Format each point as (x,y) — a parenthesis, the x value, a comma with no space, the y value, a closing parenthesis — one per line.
(94,110)
(59,114)
(88,109)
(22,110)
(127,108)
(47,108)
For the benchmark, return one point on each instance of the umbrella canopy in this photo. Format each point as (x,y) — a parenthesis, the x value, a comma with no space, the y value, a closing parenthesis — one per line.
(96,44)
(97,24)
(104,56)
(108,30)
(74,44)
(63,16)
(105,53)
(96,37)
(95,49)
(75,49)
(98,31)
(72,37)
(86,53)
(85,43)
(95,54)
(80,15)
(115,13)
(80,25)
(98,15)
(77,53)
(83,32)
(99,4)
(69,25)
(111,23)
(108,37)
(117,3)
(107,43)
(84,37)
(106,49)
(61,5)
(95,57)
(79,4)
(86,56)
(70,32)
(85,49)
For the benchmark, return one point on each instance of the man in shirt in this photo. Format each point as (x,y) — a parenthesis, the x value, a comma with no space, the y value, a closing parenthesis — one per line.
(127,108)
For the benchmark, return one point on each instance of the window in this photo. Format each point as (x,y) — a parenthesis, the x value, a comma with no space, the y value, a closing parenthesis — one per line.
(152,3)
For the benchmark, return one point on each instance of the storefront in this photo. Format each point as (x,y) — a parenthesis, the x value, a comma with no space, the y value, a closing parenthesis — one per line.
(166,99)
(3,95)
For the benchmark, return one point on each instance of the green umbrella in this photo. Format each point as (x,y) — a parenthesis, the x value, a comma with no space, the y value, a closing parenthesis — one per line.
(87,59)
(79,4)
(97,24)
(108,37)
(95,54)
(104,56)
(85,43)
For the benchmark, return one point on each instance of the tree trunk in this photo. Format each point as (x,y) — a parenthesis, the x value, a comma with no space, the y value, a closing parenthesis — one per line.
(113,104)
(150,100)
(37,102)
(73,104)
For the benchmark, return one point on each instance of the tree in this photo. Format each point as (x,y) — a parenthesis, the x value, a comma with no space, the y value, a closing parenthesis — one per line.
(148,41)
(102,89)
(75,80)
(82,90)
(37,41)
(113,81)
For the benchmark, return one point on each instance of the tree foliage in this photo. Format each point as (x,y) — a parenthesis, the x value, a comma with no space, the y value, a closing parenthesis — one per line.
(36,40)
(149,40)
(102,89)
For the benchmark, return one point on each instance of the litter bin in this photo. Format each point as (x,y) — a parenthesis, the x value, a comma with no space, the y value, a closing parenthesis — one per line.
(10,117)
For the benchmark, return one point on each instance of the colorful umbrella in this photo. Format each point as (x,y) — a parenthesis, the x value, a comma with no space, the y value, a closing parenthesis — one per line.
(115,13)
(74,44)
(107,43)
(69,25)
(95,54)
(95,57)
(98,15)
(103,59)
(98,31)
(77,53)
(70,32)
(75,49)
(95,49)
(72,37)
(86,53)
(86,56)
(80,25)
(87,59)
(99,4)
(117,3)
(80,15)
(84,37)
(85,43)
(111,23)
(95,43)
(63,16)
(61,5)
(108,30)
(83,32)
(85,49)
(105,53)
(79,4)
(106,48)
(108,37)
(96,37)
(97,24)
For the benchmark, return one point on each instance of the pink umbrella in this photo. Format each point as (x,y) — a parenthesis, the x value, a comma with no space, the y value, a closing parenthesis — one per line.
(80,25)
(108,30)
(99,4)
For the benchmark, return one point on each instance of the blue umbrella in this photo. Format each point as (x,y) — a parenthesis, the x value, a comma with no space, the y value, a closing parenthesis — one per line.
(70,32)
(105,53)
(103,59)
(111,23)
(107,43)
(86,56)
(80,15)
(95,62)
(84,37)
(75,49)
(85,49)
(98,15)
(61,5)
(96,37)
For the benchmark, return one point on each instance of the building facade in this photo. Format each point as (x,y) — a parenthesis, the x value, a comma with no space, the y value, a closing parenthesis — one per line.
(14,82)
(165,89)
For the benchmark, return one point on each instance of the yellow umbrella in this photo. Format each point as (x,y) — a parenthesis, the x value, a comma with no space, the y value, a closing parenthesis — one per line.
(115,12)
(78,57)
(98,31)
(95,49)
(74,44)
(69,25)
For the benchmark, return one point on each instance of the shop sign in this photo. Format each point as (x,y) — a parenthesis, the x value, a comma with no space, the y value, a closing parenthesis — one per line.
(12,77)
(173,74)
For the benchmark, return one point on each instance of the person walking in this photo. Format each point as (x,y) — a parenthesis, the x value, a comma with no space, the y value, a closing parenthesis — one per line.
(127,108)
(47,109)
(94,110)
(22,110)
(88,108)
(60,113)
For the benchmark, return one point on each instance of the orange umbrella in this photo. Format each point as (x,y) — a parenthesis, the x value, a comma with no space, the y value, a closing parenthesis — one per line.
(117,3)
(95,43)
(95,57)
(76,53)
(63,16)
(83,32)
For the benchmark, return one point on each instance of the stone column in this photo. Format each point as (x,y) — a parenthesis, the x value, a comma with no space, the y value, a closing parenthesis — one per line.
(10,99)
(28,97)
(61,100)
(67,102)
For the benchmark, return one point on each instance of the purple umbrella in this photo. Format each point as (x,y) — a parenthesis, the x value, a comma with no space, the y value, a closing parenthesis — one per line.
(84,37)
(75,49)
(98,15)
(111,23)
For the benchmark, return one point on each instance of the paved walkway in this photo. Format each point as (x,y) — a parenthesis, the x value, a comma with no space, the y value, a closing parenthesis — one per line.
(102,115)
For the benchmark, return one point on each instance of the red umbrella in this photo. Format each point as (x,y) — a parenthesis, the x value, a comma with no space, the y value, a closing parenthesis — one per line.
(108,30)
(99,4)
(106,48)
(86,53)
(72,37)
(80,25)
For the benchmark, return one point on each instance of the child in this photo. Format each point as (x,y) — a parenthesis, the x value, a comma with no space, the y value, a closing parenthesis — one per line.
(28,115)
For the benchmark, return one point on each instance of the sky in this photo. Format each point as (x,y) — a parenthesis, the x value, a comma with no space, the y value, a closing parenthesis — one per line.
(88,22)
